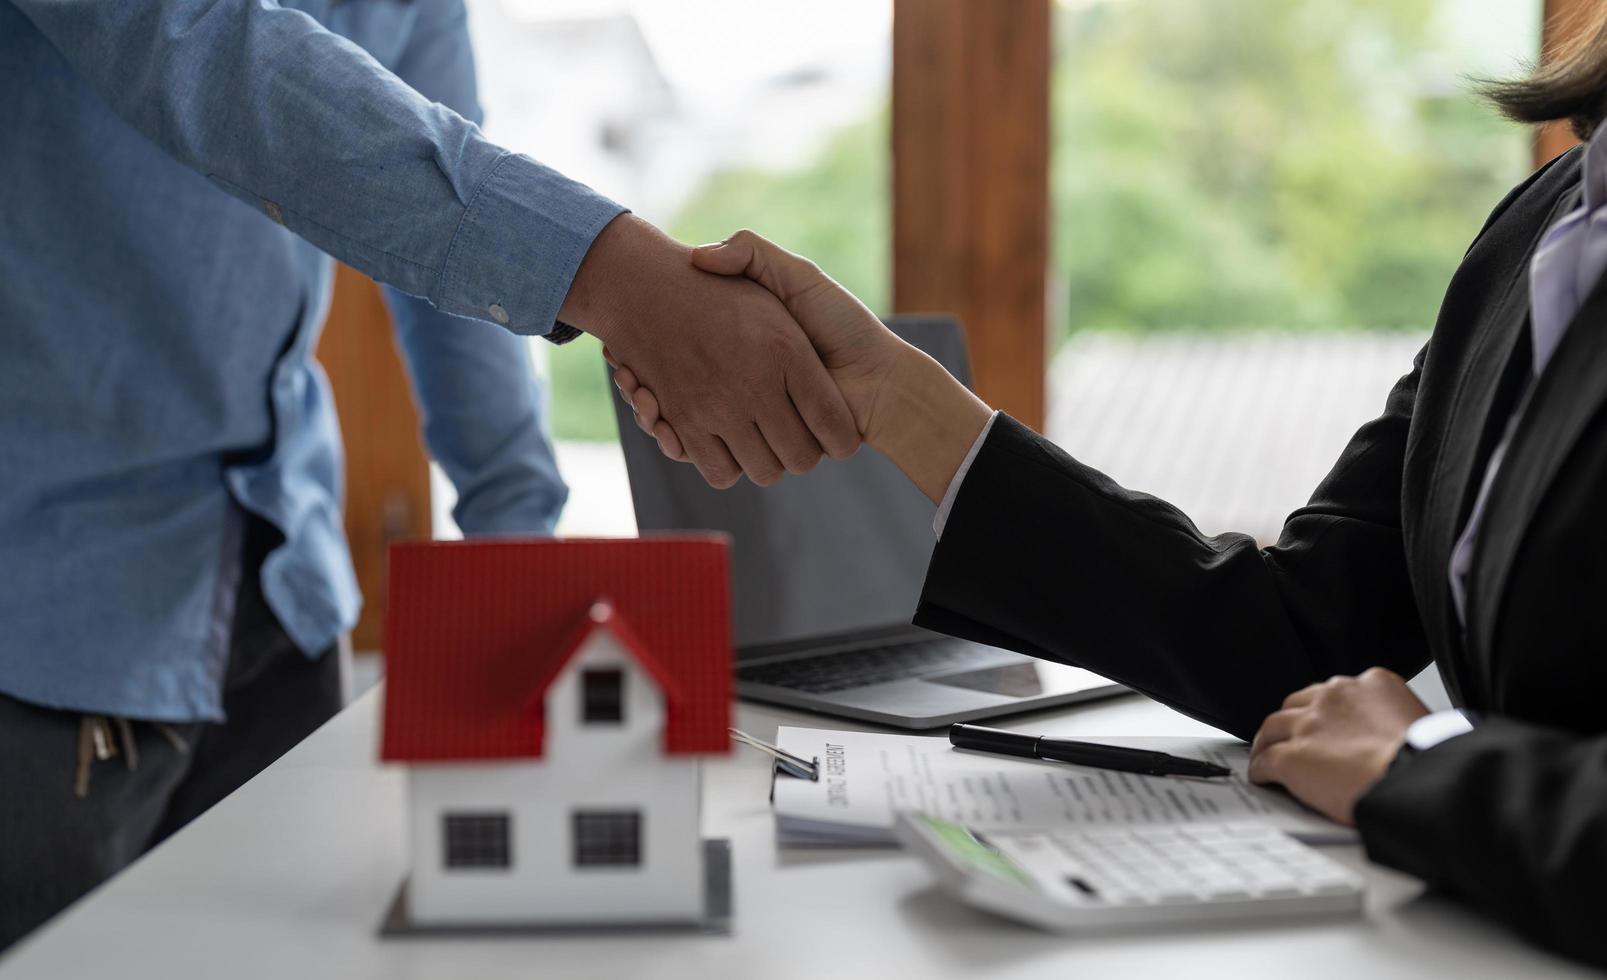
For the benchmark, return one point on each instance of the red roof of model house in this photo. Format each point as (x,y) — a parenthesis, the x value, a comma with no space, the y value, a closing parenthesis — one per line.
(475,631)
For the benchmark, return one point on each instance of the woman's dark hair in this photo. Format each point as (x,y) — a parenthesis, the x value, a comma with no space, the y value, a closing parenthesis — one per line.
(1570,84)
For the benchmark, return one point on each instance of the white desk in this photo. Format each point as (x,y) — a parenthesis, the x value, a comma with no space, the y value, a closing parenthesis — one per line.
(287,879)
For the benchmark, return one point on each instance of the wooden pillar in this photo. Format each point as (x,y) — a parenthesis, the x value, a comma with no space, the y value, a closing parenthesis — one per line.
(970,148)
(387,471)
(1564,21)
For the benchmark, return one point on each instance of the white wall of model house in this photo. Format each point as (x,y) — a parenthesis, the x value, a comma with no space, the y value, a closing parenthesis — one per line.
(584,766)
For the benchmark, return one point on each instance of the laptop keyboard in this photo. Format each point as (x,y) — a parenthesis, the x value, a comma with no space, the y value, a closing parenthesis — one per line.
(861,668)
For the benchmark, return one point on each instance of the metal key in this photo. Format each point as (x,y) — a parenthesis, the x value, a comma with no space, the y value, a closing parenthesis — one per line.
(86,756)
(130,747)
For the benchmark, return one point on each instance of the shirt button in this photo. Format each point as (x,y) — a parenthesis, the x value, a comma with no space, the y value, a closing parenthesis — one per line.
(498,313)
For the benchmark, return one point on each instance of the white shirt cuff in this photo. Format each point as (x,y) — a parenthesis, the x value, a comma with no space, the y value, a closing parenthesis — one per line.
(947,504)
(1430,730)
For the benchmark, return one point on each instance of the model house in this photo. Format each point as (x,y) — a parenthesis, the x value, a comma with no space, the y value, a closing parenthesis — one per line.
(552,701)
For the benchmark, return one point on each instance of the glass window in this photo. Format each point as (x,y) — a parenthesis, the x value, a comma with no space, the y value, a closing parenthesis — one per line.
(477,840)
(702,116)
(1258,206)
(607,838)
(602,696)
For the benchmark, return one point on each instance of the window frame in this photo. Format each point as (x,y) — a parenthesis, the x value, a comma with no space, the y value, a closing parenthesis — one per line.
(606,838)
(476,840)
(608,711)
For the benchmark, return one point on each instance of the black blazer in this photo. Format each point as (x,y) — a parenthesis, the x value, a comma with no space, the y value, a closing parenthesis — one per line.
(1044,555)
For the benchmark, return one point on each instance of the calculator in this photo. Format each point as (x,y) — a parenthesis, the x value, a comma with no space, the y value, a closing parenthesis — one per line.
(1097,879)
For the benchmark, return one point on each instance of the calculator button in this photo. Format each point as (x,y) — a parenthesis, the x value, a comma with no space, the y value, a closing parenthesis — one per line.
(1083,888)
(1236,891)
(1244,830)
(1227,893)
(1204,835)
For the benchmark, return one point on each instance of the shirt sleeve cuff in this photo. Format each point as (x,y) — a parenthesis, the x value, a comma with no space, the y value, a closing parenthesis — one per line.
(1432,729)
(515,252)
(941,519)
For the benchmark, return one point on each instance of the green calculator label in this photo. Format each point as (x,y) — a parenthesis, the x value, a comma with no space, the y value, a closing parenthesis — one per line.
(962,843)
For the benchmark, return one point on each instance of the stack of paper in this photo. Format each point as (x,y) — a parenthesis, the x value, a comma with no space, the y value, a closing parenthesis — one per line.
(867,778)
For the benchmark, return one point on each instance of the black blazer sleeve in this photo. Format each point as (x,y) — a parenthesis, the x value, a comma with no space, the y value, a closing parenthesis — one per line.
(1048,557)
(1510,817)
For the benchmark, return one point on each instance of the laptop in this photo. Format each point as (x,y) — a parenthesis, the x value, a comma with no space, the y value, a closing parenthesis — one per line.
(826,571)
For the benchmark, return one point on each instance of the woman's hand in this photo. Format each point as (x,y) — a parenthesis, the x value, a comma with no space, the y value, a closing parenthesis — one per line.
(644,407)
(855,346)
(1332,741)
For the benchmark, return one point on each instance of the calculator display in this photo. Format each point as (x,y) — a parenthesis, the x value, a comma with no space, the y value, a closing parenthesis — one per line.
(965,846)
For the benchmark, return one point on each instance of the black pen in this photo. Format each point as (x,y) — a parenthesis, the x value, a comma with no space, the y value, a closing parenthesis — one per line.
(1118,757)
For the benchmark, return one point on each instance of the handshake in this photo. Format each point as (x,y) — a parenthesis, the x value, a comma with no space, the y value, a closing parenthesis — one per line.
(743,358)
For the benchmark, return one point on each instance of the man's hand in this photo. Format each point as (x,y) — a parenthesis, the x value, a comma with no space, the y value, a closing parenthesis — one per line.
(904,403)
(723,358)
(855,346)
(1332,741)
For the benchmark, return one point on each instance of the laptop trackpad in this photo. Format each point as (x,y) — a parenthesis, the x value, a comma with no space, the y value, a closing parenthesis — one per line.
(1019,680)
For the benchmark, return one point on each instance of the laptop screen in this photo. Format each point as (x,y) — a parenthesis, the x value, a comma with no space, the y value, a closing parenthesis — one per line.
(840,549)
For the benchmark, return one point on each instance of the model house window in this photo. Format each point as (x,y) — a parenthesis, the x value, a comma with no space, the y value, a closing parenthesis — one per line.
(602,694)
(608,838)
(477,840)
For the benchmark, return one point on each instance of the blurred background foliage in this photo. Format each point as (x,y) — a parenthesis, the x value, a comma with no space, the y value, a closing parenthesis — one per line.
(1216,164)
(1267,163)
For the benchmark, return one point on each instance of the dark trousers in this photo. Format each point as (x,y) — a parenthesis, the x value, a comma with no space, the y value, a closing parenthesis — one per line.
(55,846)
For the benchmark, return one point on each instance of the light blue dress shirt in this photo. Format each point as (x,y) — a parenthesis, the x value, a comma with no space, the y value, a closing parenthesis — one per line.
(176,174)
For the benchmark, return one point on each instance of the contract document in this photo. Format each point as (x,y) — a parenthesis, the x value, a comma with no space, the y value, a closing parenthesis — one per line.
(865,779)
